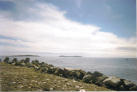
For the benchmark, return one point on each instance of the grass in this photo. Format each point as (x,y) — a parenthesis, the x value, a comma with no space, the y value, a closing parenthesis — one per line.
(16,78)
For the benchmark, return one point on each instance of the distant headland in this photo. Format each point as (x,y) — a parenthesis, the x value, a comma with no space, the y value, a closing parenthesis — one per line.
(69,56)
(24,56)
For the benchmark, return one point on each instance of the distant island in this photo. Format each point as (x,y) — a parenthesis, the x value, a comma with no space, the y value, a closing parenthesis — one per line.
(69,56)
(24,55)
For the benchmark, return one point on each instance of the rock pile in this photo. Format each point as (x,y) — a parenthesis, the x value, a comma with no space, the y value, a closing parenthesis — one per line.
(97,78)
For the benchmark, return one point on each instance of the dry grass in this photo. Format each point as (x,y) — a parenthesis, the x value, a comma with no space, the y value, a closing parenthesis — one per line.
(15,78)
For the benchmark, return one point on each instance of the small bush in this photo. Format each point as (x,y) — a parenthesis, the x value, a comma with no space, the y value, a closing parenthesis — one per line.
(6,60)
(14,60)
(27,60)
(35,62)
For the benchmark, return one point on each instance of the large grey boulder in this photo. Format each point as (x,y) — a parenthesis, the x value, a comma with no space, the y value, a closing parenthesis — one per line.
(36,67)
(87,78)
(66,73)
(29,65)
(51,70)
(43,69)
(129,85)
(99,80)
(77,74)
(97,74)
(59,72)
(112,82)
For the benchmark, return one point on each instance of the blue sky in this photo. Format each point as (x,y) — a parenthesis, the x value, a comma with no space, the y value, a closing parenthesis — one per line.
(117,16)
(100,18)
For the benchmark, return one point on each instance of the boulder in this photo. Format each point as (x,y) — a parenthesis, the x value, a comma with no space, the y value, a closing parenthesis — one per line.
(20,64)
(66,73)
(97,77)
(35,62)
(59,72)
(87,78)
(89,73)
(77,74)
(97,74)
(51,70)
(6,60)
(43,69)
(128,85)
(36,67)
(73,74)
(27,60)
(134,88)
(29,65)
(99,80)
(112,82)
(13,63)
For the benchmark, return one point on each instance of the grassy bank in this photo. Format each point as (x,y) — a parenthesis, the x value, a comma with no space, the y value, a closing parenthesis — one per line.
(27,79)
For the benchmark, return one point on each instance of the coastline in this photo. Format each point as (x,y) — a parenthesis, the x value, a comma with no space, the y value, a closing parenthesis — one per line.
(97,78)
(21,78)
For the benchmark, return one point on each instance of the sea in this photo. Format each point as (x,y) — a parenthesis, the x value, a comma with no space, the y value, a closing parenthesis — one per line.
(125,68)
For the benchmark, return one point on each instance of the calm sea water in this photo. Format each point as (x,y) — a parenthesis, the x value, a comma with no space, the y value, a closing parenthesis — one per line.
(120,67)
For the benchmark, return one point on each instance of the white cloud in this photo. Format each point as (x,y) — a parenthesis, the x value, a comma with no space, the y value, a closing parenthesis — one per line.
(55,33)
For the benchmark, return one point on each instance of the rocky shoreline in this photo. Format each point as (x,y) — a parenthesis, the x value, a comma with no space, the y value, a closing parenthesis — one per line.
(110,82)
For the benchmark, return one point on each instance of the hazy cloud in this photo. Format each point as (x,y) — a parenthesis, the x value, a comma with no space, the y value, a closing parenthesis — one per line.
(55,33)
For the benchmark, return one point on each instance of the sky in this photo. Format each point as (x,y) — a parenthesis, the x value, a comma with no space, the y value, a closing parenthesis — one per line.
(95,28)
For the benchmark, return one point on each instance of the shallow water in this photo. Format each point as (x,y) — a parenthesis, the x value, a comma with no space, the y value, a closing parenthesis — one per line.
(120,67)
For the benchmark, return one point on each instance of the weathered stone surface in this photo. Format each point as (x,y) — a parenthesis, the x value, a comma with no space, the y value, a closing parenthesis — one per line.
(29,65)
(35,67)
(87,78)
(112,82)
(76,74)
(43,69)
(100,79)
(66,73)
(51,70)
(134,88)
(97,74)
(59,71)
(128,85)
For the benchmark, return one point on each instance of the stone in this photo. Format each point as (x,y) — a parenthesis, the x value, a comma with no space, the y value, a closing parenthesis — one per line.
(87,78)
(112,82)
(13,82)
(129,85)
(51,89)
(99,80)
(97,74)
(36,67)
(22,64)
(74,81)
(46,89)
(29,65)
(44,82)
(59,71)
(134,88)
(43,69)
(51,70)
(77,87)
(20,86)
